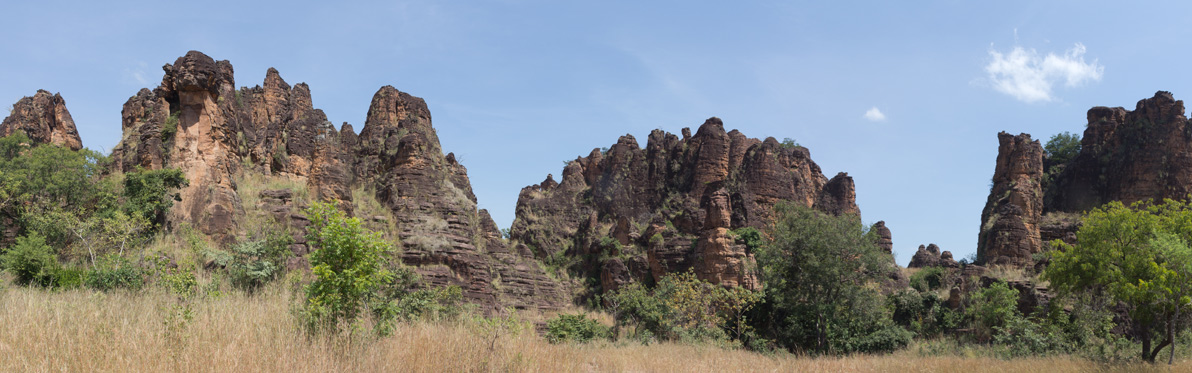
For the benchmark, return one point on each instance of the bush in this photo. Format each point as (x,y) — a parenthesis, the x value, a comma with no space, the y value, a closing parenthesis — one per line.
(684,308)
(31,261)
(927,279)
(574,328)
(114,272)
(398,301)
(254,263)
(347,265)
(993,307)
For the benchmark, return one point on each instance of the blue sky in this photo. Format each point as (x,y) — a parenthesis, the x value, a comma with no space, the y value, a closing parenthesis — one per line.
(518,87)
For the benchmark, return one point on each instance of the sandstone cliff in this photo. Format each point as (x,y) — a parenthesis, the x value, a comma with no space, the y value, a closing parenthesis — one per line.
(636,214)
(195,120)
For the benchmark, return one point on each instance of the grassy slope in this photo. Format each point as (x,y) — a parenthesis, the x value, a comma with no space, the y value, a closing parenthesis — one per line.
(83,330)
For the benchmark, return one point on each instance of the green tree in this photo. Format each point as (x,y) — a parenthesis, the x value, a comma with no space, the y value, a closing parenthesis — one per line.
(150,193)
(1137,255)
(1062,147)
(42,184)
(348,267)
(819,270)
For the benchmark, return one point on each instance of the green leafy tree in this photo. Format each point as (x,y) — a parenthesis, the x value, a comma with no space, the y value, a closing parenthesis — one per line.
(1137,255)
(150,193)
(42,184)
(1062,147)
(819,270)
(348,267)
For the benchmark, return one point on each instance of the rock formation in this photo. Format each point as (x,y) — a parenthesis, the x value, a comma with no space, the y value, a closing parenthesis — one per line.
(44,118)
(885,238)
(197,122)
(1010,222)
(930,256)
(1128,156)
(673,205)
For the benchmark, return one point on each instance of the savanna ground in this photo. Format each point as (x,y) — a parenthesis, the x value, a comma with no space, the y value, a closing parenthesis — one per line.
(84,330)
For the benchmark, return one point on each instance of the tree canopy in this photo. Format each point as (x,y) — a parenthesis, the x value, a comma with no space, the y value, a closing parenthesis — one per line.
(1139,256)
(818,271)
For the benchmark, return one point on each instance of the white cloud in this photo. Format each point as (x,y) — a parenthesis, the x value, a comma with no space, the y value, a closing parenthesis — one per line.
(875,115)
(1029,77)
(137,74)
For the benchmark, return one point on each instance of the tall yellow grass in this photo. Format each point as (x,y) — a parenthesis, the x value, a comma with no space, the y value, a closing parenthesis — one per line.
(87,331)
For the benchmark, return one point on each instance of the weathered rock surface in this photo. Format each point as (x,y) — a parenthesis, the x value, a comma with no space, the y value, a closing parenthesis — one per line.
(197,122)
(673,204)
(1010,222)
(44,118)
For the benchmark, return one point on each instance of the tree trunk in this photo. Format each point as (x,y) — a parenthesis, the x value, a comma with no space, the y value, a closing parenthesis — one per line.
(1145,334)
(1171,334)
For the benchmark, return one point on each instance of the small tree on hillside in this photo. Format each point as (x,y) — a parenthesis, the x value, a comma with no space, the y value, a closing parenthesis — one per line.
(348,266)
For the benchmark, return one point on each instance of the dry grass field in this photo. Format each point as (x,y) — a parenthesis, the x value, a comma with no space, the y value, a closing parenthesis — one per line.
(151,331)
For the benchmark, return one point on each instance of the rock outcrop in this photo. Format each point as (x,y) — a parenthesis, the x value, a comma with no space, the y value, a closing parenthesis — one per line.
(1128,156)
(44,118)
(1010,222)
(198,122)
(930,256)
(1125,155)
(674,204)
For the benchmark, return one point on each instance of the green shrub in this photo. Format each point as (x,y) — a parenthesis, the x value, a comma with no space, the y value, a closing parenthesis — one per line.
(170,127)
(31,261)
(750,236)
(683,308)
(574,328)
(993,307)
(923,314)
(114,272)
(397,300)
(927,279)
(254,263)
(347,265)
(68,277)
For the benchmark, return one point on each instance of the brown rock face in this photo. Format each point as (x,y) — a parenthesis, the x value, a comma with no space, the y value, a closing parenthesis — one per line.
(681,196)
(1128,156)
(44,118)
(197,122)
(1010,222)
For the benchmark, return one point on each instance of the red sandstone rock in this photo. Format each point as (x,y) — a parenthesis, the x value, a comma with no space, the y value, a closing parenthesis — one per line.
(44,118)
